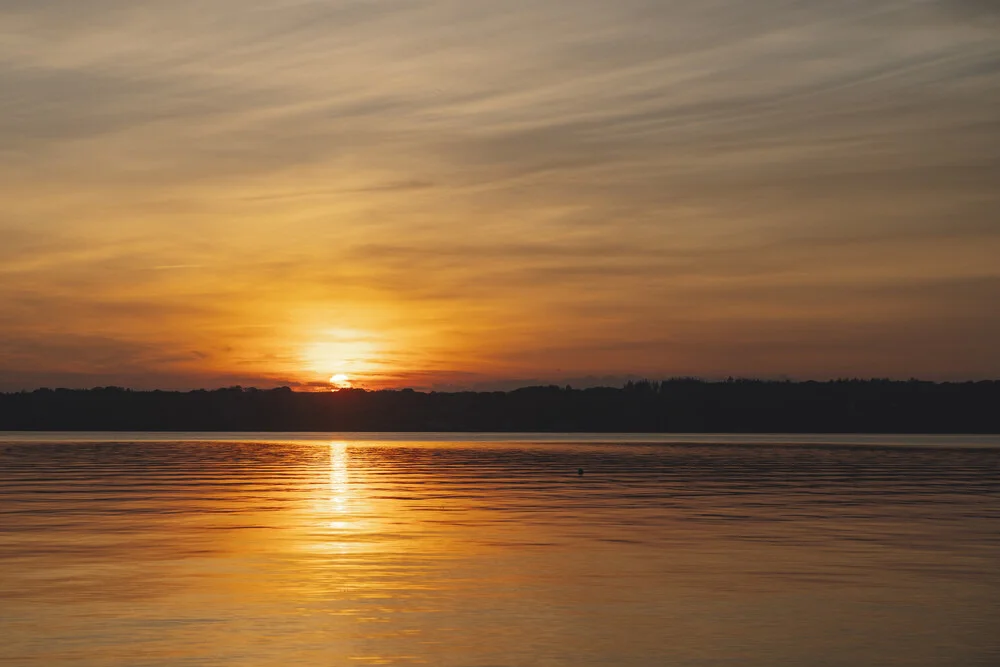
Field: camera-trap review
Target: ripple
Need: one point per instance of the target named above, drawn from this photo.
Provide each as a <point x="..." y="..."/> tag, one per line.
<point x="146" y="551"/>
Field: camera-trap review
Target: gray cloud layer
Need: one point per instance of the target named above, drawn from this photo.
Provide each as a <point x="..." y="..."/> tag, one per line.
<point x="819" y="176"/>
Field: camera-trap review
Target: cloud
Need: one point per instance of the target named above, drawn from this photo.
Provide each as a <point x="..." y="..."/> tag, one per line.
<point x="475" y="180"/>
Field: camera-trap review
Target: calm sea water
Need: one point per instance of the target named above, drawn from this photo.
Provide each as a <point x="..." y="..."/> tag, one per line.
<point x="247" y="550"/>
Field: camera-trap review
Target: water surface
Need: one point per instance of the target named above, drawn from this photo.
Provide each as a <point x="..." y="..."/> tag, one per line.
<point x="194" y="549"/>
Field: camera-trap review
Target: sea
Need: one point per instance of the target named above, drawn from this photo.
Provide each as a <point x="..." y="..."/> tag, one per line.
<point x="253" y="550"/>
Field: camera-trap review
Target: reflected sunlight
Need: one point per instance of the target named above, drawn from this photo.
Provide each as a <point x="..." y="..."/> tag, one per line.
<point x="339" y="488"/>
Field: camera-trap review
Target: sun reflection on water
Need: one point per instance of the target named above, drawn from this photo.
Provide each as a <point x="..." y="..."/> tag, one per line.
<point x="339" y="500"/>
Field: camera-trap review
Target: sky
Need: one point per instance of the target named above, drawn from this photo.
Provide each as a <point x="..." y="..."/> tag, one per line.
<point x="470" y="193"/>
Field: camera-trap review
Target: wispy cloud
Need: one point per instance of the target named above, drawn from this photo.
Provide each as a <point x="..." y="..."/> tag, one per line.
<point x="502" y="184"/>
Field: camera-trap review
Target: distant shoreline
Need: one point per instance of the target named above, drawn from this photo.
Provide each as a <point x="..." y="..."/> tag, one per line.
<point x="437" y="439"/>
<point x="668" y="407"/>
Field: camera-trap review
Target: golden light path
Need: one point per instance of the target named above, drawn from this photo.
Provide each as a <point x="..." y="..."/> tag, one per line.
<point x="339" y="488"/>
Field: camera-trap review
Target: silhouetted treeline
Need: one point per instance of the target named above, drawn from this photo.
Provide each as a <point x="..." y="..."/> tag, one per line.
<point x="684" y="406"/>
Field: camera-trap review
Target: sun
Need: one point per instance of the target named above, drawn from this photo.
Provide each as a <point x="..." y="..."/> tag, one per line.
<point x="345" y="355"/>
<point x="341" y="381"/>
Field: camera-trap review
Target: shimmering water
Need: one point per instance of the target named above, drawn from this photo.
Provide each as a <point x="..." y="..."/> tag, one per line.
<point x="255" y="550"/>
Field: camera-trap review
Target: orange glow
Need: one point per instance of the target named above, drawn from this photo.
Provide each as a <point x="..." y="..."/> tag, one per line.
<point x="500" y="231"/>
<point x="342" y="357"/>
<point x="341" y="381"/>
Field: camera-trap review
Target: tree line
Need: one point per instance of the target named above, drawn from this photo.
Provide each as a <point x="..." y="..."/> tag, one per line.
<point x="676" y="405"/>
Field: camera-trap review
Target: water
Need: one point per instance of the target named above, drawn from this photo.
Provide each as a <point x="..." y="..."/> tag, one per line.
<point x="140" y="550"/>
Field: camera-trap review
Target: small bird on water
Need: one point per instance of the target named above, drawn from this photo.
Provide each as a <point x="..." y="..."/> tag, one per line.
<point x="579" y="471"/>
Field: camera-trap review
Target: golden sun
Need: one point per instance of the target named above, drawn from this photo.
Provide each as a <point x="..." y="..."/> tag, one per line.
<point x="341" y="381"/>
<point x="346" y="356"/>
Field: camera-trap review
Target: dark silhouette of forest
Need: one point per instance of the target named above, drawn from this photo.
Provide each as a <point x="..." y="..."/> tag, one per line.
<point x="678" y="405"/>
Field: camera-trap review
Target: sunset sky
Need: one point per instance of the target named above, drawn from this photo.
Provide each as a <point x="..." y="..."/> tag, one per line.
<point x="472" y="193"/>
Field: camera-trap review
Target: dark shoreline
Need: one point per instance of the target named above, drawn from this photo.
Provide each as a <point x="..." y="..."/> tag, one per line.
<point x="672" y="406"/>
